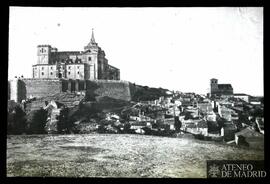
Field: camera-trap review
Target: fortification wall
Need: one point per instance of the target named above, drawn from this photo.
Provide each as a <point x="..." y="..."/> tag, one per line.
<point x="17" y="90"/>
<point x="132" y="88"/>
<point x="110" y="88"/>
<point x="95" y="89"/>
<point x="42" y="87"/>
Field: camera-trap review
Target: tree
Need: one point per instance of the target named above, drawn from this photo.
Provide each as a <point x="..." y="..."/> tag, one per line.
<point x="177" y="124"/>
<point x="127" y="128"/>
<point x="262" y="100"/>
<point x="257" y="112"/>
<point x="17" y="121"/>
<point x="38" y="122"/>
<point x="101" y="129"/>
<point x="147" y="130"/>
<point x="63" y="121"/>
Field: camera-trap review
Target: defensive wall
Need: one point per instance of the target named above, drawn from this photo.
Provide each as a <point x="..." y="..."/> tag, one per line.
<point x="20" y="89"/>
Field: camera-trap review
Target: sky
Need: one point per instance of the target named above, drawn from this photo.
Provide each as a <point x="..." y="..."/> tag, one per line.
<point x="174" y="48"/>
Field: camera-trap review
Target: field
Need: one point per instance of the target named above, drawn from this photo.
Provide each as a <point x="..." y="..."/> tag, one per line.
<point x="116" y="155"/>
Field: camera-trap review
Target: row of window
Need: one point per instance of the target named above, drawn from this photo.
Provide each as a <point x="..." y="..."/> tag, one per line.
<point x="42" y="50"/>
<point x="42" y="68"/>
<point x="77" y="73"/>
<point x="69" y="67"/>
<point x="42" y="73"/>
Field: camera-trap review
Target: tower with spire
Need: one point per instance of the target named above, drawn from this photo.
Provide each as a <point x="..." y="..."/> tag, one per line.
<point x="91" y="54"/>
<point x="92" y="37"/>
<point x="92" y="43"/>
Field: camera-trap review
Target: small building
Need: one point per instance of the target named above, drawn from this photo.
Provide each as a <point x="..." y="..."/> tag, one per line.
<point x="139" y="131"/>
<point x="137" y="125"/>
<point x="170" y="122"/>
<point x="211" y="116"/>
<point x="205" y="107"/>
<point x="250" y="138"/>
<point x="228" y="131"/>
<point x="255" y="101"/>
<point x="135" y="118"/>
<point x="177" y="102"/>
<point x="242" y="96"/>
<point x="195" y="126"/>
<point x="174" y="111"/>
<point x="227" y="113"/>
<point x="202" y="127"/>
<point x="191" y="128"/>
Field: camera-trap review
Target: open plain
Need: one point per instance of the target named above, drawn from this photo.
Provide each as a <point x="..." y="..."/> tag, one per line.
<point x="116" y="155"/>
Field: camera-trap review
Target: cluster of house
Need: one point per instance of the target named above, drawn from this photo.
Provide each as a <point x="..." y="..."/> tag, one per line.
<point x="219" y="118"/>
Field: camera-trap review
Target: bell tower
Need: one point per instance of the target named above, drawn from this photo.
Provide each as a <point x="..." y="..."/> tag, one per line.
<point x="91" y="52"/>
<point x="213" y="86"/>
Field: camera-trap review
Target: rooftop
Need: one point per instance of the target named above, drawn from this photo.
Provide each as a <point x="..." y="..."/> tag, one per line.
<point x="240" y="94"/>
<point x="224" y="86"/>
<point x="248" y="132"/>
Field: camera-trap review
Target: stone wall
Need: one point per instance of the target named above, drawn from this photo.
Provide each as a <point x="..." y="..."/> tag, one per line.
<point x="8" y="90"/>
<point x="95" y="89"/>
<point x="133" y="88"/>
<point x="110" y="88"/>
<point x="42" y="87"/>
<point x="17" y="90"/>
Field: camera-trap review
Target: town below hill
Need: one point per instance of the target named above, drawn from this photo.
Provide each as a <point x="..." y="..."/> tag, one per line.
<point x="152" y="111"/>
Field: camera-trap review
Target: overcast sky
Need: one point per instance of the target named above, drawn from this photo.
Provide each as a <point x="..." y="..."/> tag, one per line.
<point x="174" y="48"/>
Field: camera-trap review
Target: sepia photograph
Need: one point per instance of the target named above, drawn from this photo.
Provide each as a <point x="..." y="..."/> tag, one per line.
<point x="146" y="92"/>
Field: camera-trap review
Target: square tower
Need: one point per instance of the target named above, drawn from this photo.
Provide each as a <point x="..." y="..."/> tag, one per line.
<point x="43" y="53"/>
<point x="213" y="86"/>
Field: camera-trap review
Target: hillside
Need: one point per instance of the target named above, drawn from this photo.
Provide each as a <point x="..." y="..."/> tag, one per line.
<point x="145" y="93"/>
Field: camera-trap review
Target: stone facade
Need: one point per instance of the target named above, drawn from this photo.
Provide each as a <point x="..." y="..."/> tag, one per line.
<point x="90" y="64"/>
<point x="220" y="89"/>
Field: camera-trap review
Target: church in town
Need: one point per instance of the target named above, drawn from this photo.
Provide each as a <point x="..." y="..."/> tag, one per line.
<point x="90" y="64"/>
<point x="220" y="89"/>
